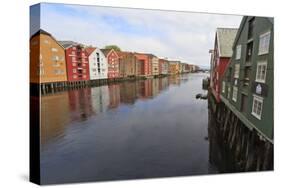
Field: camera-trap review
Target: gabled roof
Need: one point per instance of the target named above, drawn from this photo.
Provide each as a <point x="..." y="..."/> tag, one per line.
<point x="105" y="51"/>
<point x="225" y="38"/>
<point x="41" y="31"/>
<point x="90" y="50"/>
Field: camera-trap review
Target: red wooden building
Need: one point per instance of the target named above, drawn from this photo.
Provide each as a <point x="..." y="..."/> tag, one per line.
<point x="220" y="57"/>
<point x="113" y="63"/>
<point x="145" y="64"/>
<point x="77" y="63"/>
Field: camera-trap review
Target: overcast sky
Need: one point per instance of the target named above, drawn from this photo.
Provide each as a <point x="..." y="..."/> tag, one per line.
<point x="177" y="35"/>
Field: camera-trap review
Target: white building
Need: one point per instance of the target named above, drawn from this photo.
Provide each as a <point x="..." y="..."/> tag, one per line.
<point x="98" y="66"/>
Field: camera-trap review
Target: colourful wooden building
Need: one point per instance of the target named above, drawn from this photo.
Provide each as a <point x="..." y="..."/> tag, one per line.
<point x="221" y="54"/>
<point x="163" y="66"/>
<point x="145" y="65"/>
<point x="127" y="64"/>
<point x="247" y="85"/>
<point x="98" y="67"/>
<point x="47" y="59"/>
<point x="76" y="62"/>
<point x="112" y="63"/>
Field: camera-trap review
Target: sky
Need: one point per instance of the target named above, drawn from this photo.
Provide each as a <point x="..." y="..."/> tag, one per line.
<point x="184" y="36"/>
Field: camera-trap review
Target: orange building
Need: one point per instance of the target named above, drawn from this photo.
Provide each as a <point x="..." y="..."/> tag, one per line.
<point x="174" y="67"/>
<point x="47" y="59"/>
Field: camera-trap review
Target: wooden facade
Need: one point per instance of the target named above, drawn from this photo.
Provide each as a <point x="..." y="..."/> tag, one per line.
<point x="127" y="64"/>
<point x="221" y="55"/>
<point x="47" y="59"/>
<point x="112" y="62"/>
<point x="77" y="62"/>
<point x="247" y="86"/>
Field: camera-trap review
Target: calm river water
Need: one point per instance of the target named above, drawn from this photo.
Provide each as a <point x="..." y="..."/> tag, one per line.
<point x="138" y="129"/>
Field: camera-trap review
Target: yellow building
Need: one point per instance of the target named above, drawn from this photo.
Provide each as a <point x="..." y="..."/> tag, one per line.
<point x="47" y="59"/>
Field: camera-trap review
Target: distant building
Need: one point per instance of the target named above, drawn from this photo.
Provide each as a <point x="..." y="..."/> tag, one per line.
<point x="76" y="61"/>
<point x="112" y="59"/>
<point x="47" y="59"/>
<point x="155" y="64"/>
<point x="163" y="66"/>
<point x="127" y="64"/>
<point x="174" y="67"/>
<point x="145" y="65"/>
<point x="221" y="54"/>
<point x="98" y="67"/>
<point x="247" y="86"/>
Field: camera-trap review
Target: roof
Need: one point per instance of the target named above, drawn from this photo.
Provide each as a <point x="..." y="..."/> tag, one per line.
<point x="67" y="43"/>
<point x="90" y="50"/>
<point x="225" y="39"/>
<point x="41" y="31"/>
<point x="105" y="51"/>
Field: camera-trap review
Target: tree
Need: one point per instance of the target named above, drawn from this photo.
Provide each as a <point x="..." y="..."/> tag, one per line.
<point x="114" y="47"/>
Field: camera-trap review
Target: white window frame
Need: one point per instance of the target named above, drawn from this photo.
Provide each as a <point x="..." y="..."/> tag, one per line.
<point x="258" y="79"/>
<point x="228" y="92"/>
<point x="223" y="86"/>
<point x="265" y="50"/>
<point x="260" y="100"/>
<point x="234" y="93"/>
<point x="238" y="52"/>
<point x="236" y="70"/>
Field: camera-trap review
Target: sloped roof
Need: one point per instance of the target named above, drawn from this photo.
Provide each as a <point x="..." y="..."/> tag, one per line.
<point x="105" y="51"/>
<point x="225" y="38"/>
<point x="90" y="50"/>
<point x="41" y="31"/>
<point x="67" y="43"/>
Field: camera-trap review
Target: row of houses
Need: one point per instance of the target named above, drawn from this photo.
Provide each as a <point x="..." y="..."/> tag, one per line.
<point x="242" y="72"/>
<point x="53" y="61"/>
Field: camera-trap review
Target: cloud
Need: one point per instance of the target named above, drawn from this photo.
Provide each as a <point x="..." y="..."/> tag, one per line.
<point x="177" y="35"/>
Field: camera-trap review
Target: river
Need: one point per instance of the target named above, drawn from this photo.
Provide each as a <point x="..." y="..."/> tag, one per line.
<point x="129" y="130"/>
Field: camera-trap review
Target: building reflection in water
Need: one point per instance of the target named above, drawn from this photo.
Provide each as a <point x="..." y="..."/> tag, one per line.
<point x="114" y="95"/>
<point x="100" y="99"/>
<point x="54" y="115"/>
<point x="80" y="104"/>
<point x="128" y="92"/>
<point x="58" y="109"/>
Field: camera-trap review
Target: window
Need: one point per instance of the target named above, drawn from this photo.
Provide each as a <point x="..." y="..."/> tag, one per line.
<point x="261" y="72"/>
<point x="236" y="70"/>
<point x="54" y="49"/>
<point x="249" y="51"/>
<point x="46" y="41"/>
<point x="257" y="106"/>
<point x="234" y="93"/>
<point x="228" y="92"/>
<point x="223" y="86"/>
<point x="73" y="48"/>
<point x="73" y="64"/>
<point x="55" y="58"/>
<point x="73" y="59"/>
<point x="238" y="52"/>
<point x="74" y="70"/>
<point x="264" y="43"/>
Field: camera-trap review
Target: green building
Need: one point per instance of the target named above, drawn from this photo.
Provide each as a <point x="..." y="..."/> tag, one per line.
<point x="247" y="85"/>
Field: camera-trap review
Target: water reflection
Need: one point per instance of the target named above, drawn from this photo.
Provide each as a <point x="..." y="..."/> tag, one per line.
<point x="155" y="126"/>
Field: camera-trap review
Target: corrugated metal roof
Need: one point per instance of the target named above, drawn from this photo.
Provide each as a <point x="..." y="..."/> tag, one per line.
<point x="225" y="38"/>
